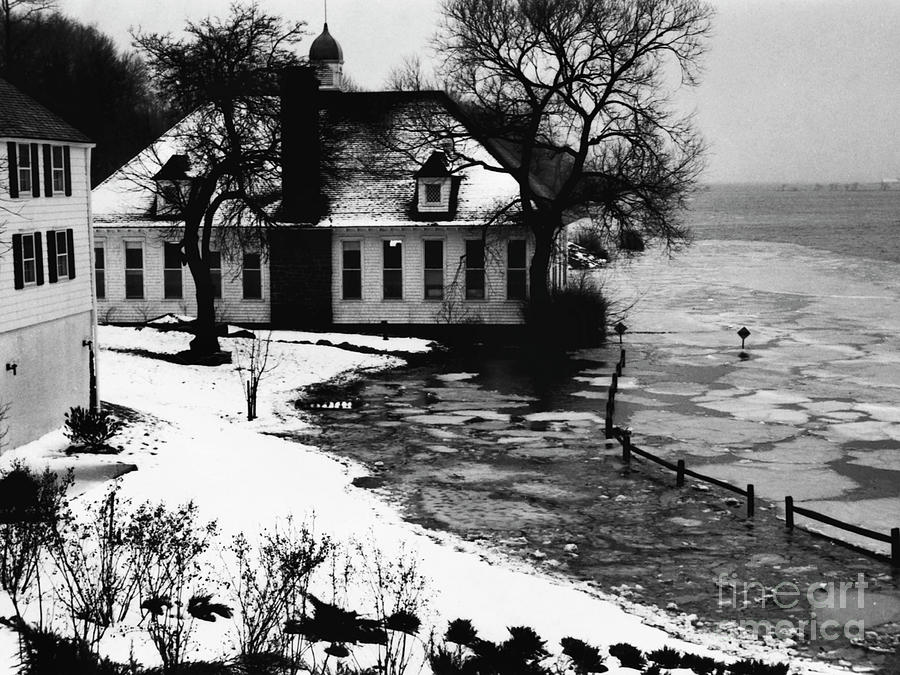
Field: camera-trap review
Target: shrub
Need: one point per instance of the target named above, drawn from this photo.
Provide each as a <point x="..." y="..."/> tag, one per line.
<point x="665" y="657"/>
<point x="31" y="506"/>
<point x="628" y="655"/>
<point x="754" y="667"/>
<point x="572" y="317"/>
<point x="91" y="428"/>
<point x="45" y="653"/>
<point x="631" y="240"/>
<point x="702" y="665"/>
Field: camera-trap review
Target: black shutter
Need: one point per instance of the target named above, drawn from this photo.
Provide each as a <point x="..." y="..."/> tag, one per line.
<point x="39" y="260"/>
<point x="35" y="171"/>
<point x="19" y="280"/>
<point x="51" y="255"/>
<point x="13" y="160"/>
<point x="70" y="241"/>
<point x="67" y="168"/>
<point x="48" y="171"/>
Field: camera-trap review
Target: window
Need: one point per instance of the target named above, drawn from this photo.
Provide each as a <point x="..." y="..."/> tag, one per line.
<point x="393" y="269"/>
<point x="252" y="276"/>
<point x="432" y="193"/>
<point x="215" y="273"/>
<point x="62" y="254"/>
<point x="134" y="270"/>
<point x="172" y="271"/>
<point x="515" y="269"/>
<point x="474" y="269"/>
<point x="434" y="269"/>
<point x="351" y="266"/>
<point x="28" y="263"/>
<point x="29" y="260"/>
<point x="58" y="169"/>
<point x="100" y="271"/>
<point x="25" y="166"/>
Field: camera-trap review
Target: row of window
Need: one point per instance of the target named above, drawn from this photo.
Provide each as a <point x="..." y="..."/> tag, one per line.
<point x="25" y="161"/>
<point x="433" y="269"/>
<point x="173" y="276"/>
<point x="28" y="257"/>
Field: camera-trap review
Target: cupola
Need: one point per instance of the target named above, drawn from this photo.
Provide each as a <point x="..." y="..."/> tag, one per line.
<point x="327" y="57"/>
<point x="173" y="183"/>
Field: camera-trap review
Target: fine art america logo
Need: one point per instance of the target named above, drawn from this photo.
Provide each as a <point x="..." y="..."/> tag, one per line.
<point x="835" y="607"/>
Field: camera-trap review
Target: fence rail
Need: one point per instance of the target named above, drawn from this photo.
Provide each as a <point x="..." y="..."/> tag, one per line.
<point x="629" y="449"/>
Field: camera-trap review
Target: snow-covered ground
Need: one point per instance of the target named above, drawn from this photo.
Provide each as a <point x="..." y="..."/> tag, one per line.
<point x="195" y="444"/>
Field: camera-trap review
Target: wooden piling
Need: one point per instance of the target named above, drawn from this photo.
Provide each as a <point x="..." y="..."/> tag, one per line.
<point x="622" y="358"/>
<point x="895" y="547"/>
<point x="789" y="512"/>
<point x="751" y="498"/>
<point x="614" y="384"/>
<point x="679" y="480"/>
<point x="626" y="447"/>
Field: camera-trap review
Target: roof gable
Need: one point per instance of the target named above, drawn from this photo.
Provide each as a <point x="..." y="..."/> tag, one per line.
<point x="23" y="117"/>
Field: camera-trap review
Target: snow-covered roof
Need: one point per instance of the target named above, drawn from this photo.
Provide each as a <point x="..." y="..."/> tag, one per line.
<point x="365" y="179"/>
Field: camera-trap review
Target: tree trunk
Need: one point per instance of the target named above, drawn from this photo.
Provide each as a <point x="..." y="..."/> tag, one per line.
<point x="205" y="341"/>
<point x="539" y="274"/>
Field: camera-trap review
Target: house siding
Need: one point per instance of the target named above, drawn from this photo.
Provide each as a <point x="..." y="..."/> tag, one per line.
<point x="47" y="330"/>
<point x="413" y="308"/>
<point x="232" y="307"/>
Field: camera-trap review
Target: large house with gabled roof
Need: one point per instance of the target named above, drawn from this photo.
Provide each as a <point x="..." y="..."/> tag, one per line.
<point x="366" y="233"/>
<point x="47" y="319"/>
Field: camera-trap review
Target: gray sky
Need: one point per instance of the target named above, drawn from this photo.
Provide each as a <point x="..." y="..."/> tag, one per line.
<point x="794" y="90"/>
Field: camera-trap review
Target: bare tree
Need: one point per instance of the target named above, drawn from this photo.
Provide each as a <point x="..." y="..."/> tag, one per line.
<point x="574" y="99"/>
<point x="253" y="364"/>
<point x="226" y="72"/>
<point x="17" y="10"/>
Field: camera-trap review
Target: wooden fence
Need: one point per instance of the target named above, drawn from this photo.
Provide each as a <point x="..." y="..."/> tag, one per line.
<point x="628" y="449"/>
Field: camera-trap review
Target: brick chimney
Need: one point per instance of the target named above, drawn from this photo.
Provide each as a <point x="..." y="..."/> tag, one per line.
<point x="300" y="149"/>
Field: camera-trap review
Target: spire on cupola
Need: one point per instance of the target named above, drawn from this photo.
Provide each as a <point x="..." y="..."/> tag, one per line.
<point x="327" y="58"/>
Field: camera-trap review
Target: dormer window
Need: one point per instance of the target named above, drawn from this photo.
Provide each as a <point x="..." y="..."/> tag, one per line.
<point x="436" y="188"/>
<point x="172" y="186"/>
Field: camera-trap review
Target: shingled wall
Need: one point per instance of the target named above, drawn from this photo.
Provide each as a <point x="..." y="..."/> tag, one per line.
<point x="300" y="277"/>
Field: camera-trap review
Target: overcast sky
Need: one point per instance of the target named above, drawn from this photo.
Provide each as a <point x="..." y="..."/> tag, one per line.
<point x="794" y="90"/>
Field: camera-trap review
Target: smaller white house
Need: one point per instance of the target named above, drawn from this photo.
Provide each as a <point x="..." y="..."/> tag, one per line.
<point x="47" y="319"/>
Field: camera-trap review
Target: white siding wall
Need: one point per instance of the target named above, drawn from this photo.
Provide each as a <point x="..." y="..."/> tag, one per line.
<point x="115" y="307"/>
<point x="26" y="214"/>
<point x="414" y="308"/>
<point x="42" y="328"/>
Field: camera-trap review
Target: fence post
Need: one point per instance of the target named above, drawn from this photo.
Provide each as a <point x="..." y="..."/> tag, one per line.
<point x="626" y="447"/>
<point x="384" y="329"/>
<point x="679" y="481"/>
<point x="608" y="428"/>
<point x="619" y="368"/>
<point x="789" y="512"/>
<point x="622" y="358"/>
<point x="895" y="548"/>
<point x="751" y="498"/>
<point x="614" y="385"/>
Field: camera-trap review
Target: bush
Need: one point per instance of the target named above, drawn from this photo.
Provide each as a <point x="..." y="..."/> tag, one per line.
<point x="629" y="656"/>
<point x="573" y="317"/>
<point x="91" y="428"/>
<point x="631" y="240"/>
<point x="754" y="667"/>
<point x="45" y="653"/>
<point x="665" y="657"/>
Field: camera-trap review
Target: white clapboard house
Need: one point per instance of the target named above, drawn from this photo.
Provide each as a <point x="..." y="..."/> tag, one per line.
<point x="354" y="247"/>
<point x="47" y="318"/>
